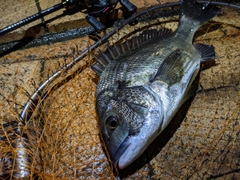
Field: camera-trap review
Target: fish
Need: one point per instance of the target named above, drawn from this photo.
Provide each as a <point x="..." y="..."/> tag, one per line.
<point x="144" y="81"/>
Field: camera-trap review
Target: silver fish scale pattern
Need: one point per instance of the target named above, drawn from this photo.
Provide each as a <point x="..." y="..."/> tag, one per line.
<point x="146" y="38"/>
<point x="136" y="95"/>
<point x="135" y="122"/>
<point x="134" y="68"/>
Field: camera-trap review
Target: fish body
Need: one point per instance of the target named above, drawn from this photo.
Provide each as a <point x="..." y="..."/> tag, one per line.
<point x="144" y="81"/>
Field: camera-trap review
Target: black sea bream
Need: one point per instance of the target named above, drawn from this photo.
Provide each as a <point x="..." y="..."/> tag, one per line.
<point x="145" y="80"/>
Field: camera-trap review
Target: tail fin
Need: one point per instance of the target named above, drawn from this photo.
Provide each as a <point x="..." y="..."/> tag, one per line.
<point x="193" y="16"/>
<point x="198" y="12"/>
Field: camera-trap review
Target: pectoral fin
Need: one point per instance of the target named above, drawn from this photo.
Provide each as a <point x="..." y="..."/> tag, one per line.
<point x="171" y="70"/>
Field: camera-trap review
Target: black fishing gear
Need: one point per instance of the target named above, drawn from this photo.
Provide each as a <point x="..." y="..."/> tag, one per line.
<point x="94" y="9"/>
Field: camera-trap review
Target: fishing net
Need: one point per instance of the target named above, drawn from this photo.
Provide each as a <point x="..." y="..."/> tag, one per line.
<point x="61" y="139"/>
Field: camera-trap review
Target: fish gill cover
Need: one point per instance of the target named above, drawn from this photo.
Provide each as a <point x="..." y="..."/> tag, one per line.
<point x="63" y="138"/>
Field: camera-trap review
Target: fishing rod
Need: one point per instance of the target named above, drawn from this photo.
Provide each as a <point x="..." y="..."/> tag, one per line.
<point x="98" y="16"/>
<point x="21" y="166"/>
<point x="94" y="9"/>
<point x="70" y="6"/>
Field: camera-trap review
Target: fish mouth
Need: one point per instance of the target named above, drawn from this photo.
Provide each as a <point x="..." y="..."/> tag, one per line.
<point x="120" y="151"/>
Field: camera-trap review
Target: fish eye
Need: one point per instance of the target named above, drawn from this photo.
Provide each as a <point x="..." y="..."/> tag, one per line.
<point x="112" y="122"/>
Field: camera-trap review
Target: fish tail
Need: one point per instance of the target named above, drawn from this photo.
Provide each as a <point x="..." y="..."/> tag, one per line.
<point x="200" y="13"/>
<point x="194" y="15"/>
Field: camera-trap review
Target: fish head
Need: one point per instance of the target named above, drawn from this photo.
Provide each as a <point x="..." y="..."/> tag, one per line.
<point x="129" y="121"/>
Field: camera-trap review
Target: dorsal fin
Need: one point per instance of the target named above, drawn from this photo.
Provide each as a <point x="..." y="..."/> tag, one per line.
<point x="114" y="52"/>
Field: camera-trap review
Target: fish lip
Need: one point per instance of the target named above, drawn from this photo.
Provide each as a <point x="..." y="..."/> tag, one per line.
<point x="121" y="149"/>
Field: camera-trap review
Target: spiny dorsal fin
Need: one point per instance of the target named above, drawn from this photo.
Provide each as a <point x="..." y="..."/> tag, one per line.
<point x="114" y="52"/>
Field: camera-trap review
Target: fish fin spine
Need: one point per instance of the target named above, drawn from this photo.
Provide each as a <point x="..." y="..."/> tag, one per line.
<point x="207" y="52"/>
<point x="115" y="51"/>
<point x="97" y="68"/>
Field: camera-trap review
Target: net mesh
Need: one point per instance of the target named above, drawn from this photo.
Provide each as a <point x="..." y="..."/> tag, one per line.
<point x="62" y="137"/>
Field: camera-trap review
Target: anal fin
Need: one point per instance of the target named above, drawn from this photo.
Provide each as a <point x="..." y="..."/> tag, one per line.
<point x="207" y="52"/>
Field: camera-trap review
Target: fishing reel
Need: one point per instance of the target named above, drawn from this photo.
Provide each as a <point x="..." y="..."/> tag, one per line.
<point x="94" y="8"/>
<point x="100" y="9"/>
